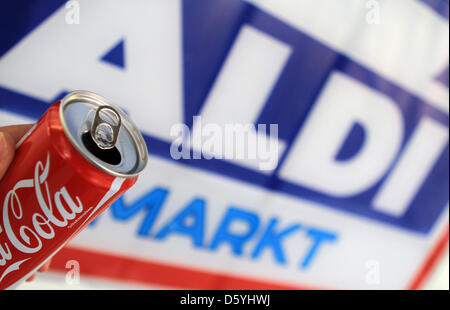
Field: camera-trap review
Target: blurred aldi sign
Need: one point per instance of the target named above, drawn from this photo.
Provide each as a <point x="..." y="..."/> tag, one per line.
<point x="358" y="196"/>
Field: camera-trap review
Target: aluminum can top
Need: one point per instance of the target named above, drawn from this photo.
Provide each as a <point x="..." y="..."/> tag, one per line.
<point x="103" y="134"/>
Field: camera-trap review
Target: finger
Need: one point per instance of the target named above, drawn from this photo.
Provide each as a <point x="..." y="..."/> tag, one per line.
<point x="16" y="131"/>
<point x="7" y="149"/>
<point x="9" y="136"/>
<point x="45" y="267"/>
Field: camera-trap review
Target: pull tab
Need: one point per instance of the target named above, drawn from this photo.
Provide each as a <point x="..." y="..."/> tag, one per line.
<point x="104" y="131"/>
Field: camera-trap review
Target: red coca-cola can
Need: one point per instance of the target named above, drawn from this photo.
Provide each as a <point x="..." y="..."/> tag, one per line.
<point x="77" y="160"/>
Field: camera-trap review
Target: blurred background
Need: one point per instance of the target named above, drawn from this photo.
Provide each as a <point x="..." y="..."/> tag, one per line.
<point x="356" y="193"/>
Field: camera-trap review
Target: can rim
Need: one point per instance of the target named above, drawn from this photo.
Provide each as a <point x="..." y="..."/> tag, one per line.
<point x="93" y="98"/>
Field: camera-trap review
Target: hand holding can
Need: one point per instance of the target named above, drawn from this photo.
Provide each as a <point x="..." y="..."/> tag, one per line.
<point x="72" y="164"/>
<point x="9" y="136"/>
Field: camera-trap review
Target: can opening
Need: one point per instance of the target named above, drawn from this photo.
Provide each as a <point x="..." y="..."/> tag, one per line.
<point x="103" y="134"/>
<point x="111" y="155"/>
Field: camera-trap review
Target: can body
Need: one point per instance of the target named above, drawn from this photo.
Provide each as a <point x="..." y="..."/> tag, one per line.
<point x="49" y="194"/>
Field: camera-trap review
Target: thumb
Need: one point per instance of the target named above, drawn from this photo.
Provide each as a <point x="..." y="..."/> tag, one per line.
<point x="7" y="149"/>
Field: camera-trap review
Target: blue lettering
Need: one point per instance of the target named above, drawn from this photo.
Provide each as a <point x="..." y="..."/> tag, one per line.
<point x="318" y="236"/>
<point x="236" y="240"/>
<point x="151" y="201"/>
<point x="271" y="239"/>
<point x="194" y="211"/>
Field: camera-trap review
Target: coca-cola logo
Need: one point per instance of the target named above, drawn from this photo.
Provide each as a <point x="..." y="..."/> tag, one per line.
<point x="56" y="209"/>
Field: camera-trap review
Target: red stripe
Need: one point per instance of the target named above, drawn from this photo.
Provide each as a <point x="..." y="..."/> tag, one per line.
<point x="430" y="262"/>
<point x="147" y="272"/>
<point x="124" y="268"/>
